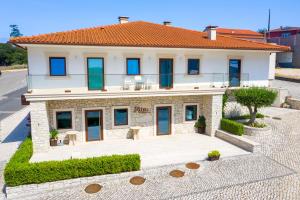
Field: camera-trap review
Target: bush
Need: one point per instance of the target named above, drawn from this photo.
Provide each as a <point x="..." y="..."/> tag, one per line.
<point x="254" y="98"/>
<point x="20" y="172"/>
<point x="200" y="122"/>
<point x="258" y="115"/>
<point x="232" y="127"/>
<point x="214" y="153"/>
<point x="54" y="134"/>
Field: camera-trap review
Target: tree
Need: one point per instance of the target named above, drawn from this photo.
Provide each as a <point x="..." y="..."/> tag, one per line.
<point x="14" y="31"/>
<point x="12" y="55"/>
<point x="262" y="30"/>
<point x="254" y="98"/>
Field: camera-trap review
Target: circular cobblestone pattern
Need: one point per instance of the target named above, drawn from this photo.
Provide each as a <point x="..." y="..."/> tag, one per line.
<point x="93" y="188"/>
<point x="192" y="165"/>
<point x="176" y="173"/>
<point x="137" y="180"/>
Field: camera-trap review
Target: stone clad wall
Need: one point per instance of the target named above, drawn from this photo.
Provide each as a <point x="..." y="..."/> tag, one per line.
<point x="145" y="120"/>
<point x="42" y="113"/>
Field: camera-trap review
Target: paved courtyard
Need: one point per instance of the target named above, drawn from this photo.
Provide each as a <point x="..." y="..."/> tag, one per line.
<point x="154" y="151"/>
<point x="274" y="174"/>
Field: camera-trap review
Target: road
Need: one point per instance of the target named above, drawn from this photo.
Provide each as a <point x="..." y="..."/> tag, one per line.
<point x="12" y="86"/>
<point x="293" y="88"/>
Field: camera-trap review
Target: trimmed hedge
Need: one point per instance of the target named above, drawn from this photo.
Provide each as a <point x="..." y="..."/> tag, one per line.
<point x="232" y="127"/>
<point x="247" y="116"/>
<point x="20" y="172"/>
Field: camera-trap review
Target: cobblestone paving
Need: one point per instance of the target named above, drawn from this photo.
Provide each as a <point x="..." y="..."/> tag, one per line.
<point x="271" y="175"/>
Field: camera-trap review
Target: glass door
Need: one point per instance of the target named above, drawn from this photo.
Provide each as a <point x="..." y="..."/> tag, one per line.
<point x="165" y="73"/>
<point x="95" y="69"/>
<point x="234" y="72"/>
<point x="93" y="125"/>
<point x="163" y="120"/>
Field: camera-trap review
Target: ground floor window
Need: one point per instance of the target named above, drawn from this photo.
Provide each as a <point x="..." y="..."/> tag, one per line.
<point x="64" y="120"/>
<point x="190" y="112"/>
<point x="121" y="116"/>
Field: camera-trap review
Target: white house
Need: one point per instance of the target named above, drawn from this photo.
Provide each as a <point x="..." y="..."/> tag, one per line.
<point x="104" y="81"/>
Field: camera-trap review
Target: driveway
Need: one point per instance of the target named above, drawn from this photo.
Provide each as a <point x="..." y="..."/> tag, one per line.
<point x="294" y="88"/>
<point x="12" y="86"/>
<point x="273" y="174"/>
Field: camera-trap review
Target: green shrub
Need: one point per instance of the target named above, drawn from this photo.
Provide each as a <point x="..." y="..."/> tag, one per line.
<point x="232" y="127"/>
<point x="214" y="153"/>
<point x="53" y="134"/>
<point x="20" y="172"/>
<point x="200" y="122"/>
<point x="258" y="115"/>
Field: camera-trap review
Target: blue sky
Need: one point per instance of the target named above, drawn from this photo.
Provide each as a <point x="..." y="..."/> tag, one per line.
<point x="44" y="16"/>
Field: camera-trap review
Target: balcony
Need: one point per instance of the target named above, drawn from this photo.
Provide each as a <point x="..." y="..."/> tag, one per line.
<point x="120" y="85"/>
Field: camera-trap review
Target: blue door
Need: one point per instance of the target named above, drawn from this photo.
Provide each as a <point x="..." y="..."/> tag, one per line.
<point x="93" y="123"/>
<point x="163" y="120"/>
<point x="165" y="73"/>
<point x="95" y="68"/>
<point x="234" y="72"/>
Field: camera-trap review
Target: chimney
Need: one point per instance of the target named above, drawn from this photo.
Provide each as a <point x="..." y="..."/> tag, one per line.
<point x="167" y="23"/>
<point x="123" y="19"/>
<point x="211" y="32"/>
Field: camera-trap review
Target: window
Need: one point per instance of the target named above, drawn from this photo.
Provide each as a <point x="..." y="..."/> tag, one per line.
<point x="285" y="35"/>
<point x="57" y="66"/>
<point x="133" y="66"/>
<point x="121" y="117"/>
<point x="190" y="112"/>
<point x="64" y="120"/>
<point x="193" y="66"/>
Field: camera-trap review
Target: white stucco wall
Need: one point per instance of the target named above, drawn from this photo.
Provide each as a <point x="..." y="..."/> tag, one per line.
<point x="254" y="63"/>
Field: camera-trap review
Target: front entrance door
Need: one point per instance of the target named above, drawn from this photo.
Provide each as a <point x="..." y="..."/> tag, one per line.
<point x="234" y="72"/>
<point x="163" y="120"/>
<point x="165" y="73"/>
<point x="94" y="125"/>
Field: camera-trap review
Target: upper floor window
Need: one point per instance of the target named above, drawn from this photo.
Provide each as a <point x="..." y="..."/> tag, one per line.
<point x="133" y="66"/>
<point x="57" y="66"/>
<point x="285" y="35"/>
<point x="193" y="66"/>
<point x="64" y="120"/>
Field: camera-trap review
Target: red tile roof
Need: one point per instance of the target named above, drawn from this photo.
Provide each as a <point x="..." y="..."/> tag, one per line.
<point x="144" y="34"/>
<point x="240" y="33"/>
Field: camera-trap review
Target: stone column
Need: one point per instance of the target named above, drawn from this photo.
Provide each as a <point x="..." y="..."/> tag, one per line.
<point x="212" y="110"/>
<point x="39" y="126"/>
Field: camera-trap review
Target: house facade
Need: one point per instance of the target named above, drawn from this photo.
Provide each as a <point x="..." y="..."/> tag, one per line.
<point x="288" y="36"/>
<point x="104" y="82"/>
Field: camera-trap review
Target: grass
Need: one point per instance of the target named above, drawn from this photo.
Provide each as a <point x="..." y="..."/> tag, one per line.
<point x="247" y="116"/>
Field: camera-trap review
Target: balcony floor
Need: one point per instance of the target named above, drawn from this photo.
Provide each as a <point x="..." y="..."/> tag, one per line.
<point x="154" y="151"/>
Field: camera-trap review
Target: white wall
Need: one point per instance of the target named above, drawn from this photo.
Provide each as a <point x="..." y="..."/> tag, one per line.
<point x="256" y="64"/>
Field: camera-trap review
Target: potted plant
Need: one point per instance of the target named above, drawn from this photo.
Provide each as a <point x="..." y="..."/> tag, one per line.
<point x="200" y="125"/>
<point x="53" y="137"/>
<point x="214" y="155"/>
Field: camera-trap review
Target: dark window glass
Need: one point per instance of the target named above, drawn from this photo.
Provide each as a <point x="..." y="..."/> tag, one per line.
<point x="121" y="117"/>
<point x="57" y="66"/>
<point x="193" y="66"/>
<point x="191" y="113"/>
<point x="133" y="66"/>
<point x="64" y="120"/>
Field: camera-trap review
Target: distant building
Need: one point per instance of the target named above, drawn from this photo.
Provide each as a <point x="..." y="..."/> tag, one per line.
<point x="242" y="34"/>
<point x="288" y="36"/>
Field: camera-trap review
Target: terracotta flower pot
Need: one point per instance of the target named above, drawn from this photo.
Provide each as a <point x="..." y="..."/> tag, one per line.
<point x="201" y="129"/>
<point x="53" y="142"/>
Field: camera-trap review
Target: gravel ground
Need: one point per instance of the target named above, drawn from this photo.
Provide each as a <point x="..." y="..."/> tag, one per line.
<point x="274" y="174"/>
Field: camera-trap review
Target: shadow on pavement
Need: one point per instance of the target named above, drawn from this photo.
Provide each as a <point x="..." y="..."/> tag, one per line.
<point x="19" y="133"/>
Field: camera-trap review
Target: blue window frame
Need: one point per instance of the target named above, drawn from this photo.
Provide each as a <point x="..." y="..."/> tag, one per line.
<point x="121" y="117"/>
<point x="190" y="112"/>
<point x="193" y="66"/>
<point x="57" y="66"/>
<point x="133" y="66"/>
